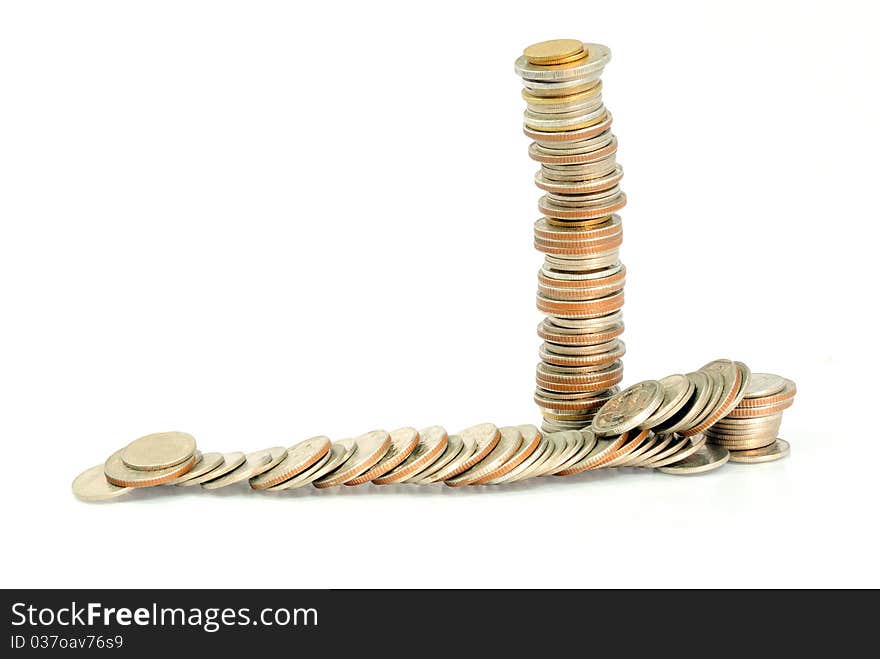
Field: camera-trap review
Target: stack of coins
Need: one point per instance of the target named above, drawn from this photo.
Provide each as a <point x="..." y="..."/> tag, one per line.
<point x="750" y="432"/>
<point x="580" y="286"/>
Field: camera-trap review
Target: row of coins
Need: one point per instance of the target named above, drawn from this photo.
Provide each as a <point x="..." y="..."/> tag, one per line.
<point x="737" y="413"/>
<point x="480" y="455"/>
<point x="750" y="431"/>
<point x="580" y="285"/>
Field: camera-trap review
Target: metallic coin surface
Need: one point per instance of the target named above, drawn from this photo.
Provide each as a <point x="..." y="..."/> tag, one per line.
<point x="547" y="52"/>
<point x="603" y="452"/>
<point x="632" y="457"/>
<point x="403" y="443"/>
<point x="525" y="468"/>
<point x="92" y="485"/>
<point x="693" y="445"/>
<point x="339" y="452"/>
<point x="488" y="467"/>
<point x="159" y="451"/>
<point x="431" y="445"/>
<point x="692" y="409"/>
<point x="231" y="461"/>
<point x="299" y="457"/>
<point x="371" y="447"/>
<point x="204" y="463"/>
<point x="252" y="462"/>
<point x="775" y="451"/>
<point x="638" y="439"/>
<point x="478" y="441"/>
<point x="764" y="384"/>
<point x="568" y="443"/>
<point x="454" y="447"/>
<point x="530" y="440"/>
<point x="121" y="475"/>
<point x="706" y="459"/>
<point x="661" y="443"/>
<point x="583" y="451"/>
<point x="628" y="409"/>
<point x="274" y="455"/>
<point x="677" y="390"/>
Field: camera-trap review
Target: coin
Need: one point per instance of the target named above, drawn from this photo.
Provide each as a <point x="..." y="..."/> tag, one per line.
<point x="525" y="468"/>
<point x="159" y="450"/>
<point x="488" y="467"/>
<point x="636" y="442"/>
<point x="633" y="456"/>
<point x="403" y="442"/>
<point x="299" y="457"/>
<point x="121" y="475"/>
<point x="252" y="462"/>
<point x="478" y="441"/>
<point x="203" y="463"/>
<point x="706" y="459"/>
<point x="431" y="445"/>
<point x="371" y="447"/>
<point x="603" y="452"/>
<point x="339" y="452"/>
<point x="92" y="485"/>
<point x="661" y="442"/>
<point x="568" y="443"/>
<point x="549" y="52"/>
<point x="530" y="439"/>
<point x="583" y="451"/>
<point x="676" y="393"/>
<point x="732" y="376"/>
<point x="274" y="455"/>
<point x="702" y="391"/>
<point x="690" y="447"/>
<point x="454" y="447"/>
<point x="628" y="409"/>
<point x="230" y="462"/>
<point x="775" y="451"/>
<point x="764" y="384"/>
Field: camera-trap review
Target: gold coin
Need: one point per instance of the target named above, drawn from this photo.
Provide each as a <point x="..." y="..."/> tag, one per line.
<point x="549" y="52"/>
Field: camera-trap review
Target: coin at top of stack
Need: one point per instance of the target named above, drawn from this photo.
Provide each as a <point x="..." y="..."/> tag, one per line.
<point x="580" y="285"/>
<point x="750" y="431"/>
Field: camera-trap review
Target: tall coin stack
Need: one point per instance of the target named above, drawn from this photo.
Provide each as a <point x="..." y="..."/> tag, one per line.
<point x="580" y="286"/>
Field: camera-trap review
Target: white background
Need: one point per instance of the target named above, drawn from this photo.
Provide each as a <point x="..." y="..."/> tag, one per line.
<point x="258" y="222"/>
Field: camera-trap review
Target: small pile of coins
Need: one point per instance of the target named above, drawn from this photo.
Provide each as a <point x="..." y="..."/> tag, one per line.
<point x="687" y="410"/>
<point x="750" y="431"/>
<point x="580" y="285"/>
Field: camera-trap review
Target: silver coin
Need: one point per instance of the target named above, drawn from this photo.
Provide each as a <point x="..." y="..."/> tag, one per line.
<point x="677" y="390"/>
<point x="486" y="469"/>
<point x="568" y="443"/>
<point x="299" y="457"/>
<point x="159" y="450"/>
<point x="339" y="452"/>
<point x="230" y="461"/>
<point x="661" y="442"/>
<point x="403" y="442"/>
<point x="92" y="485"/>
<point x="601" y="453"/>
<point x="677" y="444"/>
<point x="275" y="454"/>
<point x="716" y="390"/>
<point x="706" y="459"/>
<point x="588" y="68"/>
<point x="629" y="408"/>
<point x="371" y="447"/>
<point x="205" y="462"/>
<point x="431" y="446"/>
<point x="121" y="475"/>
<point x="454" y="447"/>
<point x="775" y="451"/>
<point x="524" y="468"/>
<point x="637" y="442"/>
<point x="252" y="462"/>
<point x="531" y="440"/>
<point x="479" y="441"/>
<point x="629" y="460"/>
<point x="702" y="391"/>
<point x="589" y="444"/>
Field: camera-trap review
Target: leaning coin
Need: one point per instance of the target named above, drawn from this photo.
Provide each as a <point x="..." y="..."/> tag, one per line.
<point x="632" y="457"/>
<point x="702" y="391"/>
<point x="488" y="467"/>
<point x="604" y="451"/>
<point x="638" y="442"/>
<point x="431" y="445"/>
<point x="403" y="443"/>
<point x="204" y="463"/>
<point x="230" y="461"/>
<point x="159" y="451"/>
<point x="478" y="441"/>
<point x="254" y="464"/>
<point x="339" y="452"/>
<point x="531" y="439"/>
<point x="775" y="451"/>
<point x="299" y="457"/>
<point x="121" y="475"/>
<point x="569" y="443"/>
<point x="454" y="447"/>
<point x="661" y="442"/>
<point x="588" y="445"/>
<point x="677" y="390"/>
<point x="525" y="468"/>
<point x="371" y="447"/>
<point x="629" y="408"/>
<point x="708" y="458"/>
<point x="696" y="443"/>
<point x="92" y="485"/>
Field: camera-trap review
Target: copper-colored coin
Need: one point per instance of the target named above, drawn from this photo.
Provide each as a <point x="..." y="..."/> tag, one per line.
<point x="454" y="447"/>
<point x="488" y="467"/>
<point x="546" y="137"/>
<point x="732" y="377"/>
<point x="552" y="334"/>
<point x="543" y="157"/>
<point x="432" y="443"/>
<point x="581" y="308"/>
<point x="578" y="375"/>
<point x="764" y="410"/>
<point x="788" y="391"/>
<point x="549" y="208"/>
<point x="589" y="444"/>
<point x="661" y="443"/>
<point x="637" y="439"/>
<point x="583" y="360"/>
<point x="544" y="230"/>
<point x="629" y="460"/>
<point x="371" y="447"/>
<point x="604" y="451"/>
<point x="403" y="443"/>
<point x="337" y="455"/>
<point x="121" y="475"/>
